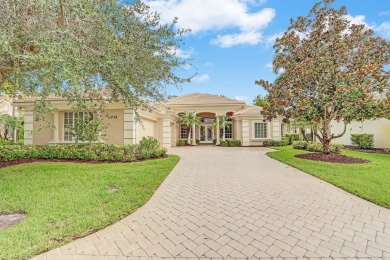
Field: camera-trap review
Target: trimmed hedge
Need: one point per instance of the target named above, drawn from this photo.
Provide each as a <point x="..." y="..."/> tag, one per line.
<point x="275" y="143"/>
<point x="7" y="142"/>
<point x="181" y="142"/>
<point x="301" y="145"/>
<point x="317" y="147"/>
<point x="291" y="138"/>
<point x="363" y="141"/>
<point x="230" y="142"/>
<point x="99" y="152"/>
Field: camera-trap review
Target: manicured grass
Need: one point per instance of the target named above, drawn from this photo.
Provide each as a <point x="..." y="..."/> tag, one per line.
<point x="370" y="181"/>
<point x="64" y="201"/>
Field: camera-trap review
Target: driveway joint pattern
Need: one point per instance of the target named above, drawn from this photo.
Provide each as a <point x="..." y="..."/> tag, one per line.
<point x="237" y="203"/>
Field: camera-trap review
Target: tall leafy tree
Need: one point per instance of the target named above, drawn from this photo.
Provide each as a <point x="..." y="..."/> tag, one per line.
<point x="68" y="48"/>
<point x="332" y="70"/>
<point x="260" y="101"/>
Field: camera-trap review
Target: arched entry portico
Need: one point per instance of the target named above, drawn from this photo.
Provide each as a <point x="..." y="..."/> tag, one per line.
<point x="206" y="131"/>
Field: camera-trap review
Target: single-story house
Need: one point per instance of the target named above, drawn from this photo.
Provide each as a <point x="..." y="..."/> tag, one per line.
<point x="161" y="122"/>
<point x="6" y="106"/>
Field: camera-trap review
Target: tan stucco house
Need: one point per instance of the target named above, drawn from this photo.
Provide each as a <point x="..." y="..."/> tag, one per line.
<point x="161" y="122"/>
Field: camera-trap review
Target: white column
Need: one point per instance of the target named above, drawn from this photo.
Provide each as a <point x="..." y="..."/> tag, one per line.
<point x="223" y="132"/>
<point x="218" y="142"/>
<point x="129" y="127"/>
<point x="166" y="133"/>
<point x="56" y="127"/>
<point x="28" y="127"/>
<point x="276" y="129"/>
<point x="193" y="135"/>
<point x="245" y="133"/>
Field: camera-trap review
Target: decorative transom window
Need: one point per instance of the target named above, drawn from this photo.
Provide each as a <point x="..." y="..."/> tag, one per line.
<point x="183" y="131"/>
<point x="71" y="120"/>
<point x="260" y="130"/>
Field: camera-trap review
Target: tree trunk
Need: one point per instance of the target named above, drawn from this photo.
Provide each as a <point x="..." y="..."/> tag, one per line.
<point x="189" y="136"/>
<point x="326" y="145"/>
<point x="303" y="133"/>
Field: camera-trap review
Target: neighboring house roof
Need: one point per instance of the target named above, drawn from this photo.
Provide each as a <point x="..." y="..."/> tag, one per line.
<point x="249" y="111"/>
<point x="101" y="93"/>
<point x="33" y="99"/>
<point x="202" y="99"/>
<point x="5" y="106"/>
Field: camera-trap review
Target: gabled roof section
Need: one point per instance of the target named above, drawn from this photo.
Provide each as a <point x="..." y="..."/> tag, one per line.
<point x="5" y="99"/>
<point x="249" y="111"/>
<point x="197" y="99"/>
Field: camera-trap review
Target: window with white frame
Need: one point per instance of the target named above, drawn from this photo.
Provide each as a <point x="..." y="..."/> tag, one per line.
<point x="71" y="120"/>
<point x="183" y="131"/>
<point x="260" y="130"/>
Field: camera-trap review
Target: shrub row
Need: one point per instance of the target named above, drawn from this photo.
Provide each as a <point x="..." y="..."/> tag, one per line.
<point x="181" y="142"/>
<point x="7" y="142"/>
<point x="317" y="147"/>
<point x="363" y="141"/>
<point x="231" y="143"/>
<point x="301" y="145"/>
<point x="148" y="148"/>
<point x="275" y="143"/>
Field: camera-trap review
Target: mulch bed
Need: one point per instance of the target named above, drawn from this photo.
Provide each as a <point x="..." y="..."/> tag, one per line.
<point x="332" y="158"/>
<point x="372" y="150"/>
<point x="31" y="160"/>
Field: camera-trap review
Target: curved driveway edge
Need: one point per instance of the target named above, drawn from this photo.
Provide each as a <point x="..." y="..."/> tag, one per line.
<point x="238" y="203"/>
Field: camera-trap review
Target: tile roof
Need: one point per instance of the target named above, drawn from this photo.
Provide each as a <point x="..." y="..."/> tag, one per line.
<point x="202" y="99"/>
<point x="248" y="111"/>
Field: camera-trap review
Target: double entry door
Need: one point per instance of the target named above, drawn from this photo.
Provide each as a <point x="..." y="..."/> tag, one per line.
<point x="206" y="133"/>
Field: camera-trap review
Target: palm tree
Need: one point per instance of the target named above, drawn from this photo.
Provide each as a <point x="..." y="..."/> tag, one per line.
<point x="189" y="119"/>
<point x="222" y="122"/>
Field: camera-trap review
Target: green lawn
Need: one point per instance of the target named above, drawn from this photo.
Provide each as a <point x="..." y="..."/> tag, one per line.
<point x="65" y="201"/>
<point x="370" y="181"/>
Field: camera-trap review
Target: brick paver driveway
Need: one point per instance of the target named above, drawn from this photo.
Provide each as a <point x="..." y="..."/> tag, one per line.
<point x="238" y="203"/>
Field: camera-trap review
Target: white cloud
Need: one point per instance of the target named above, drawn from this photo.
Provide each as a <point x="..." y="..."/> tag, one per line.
<point x="206" y="15"/>
<point x="268" y="65"/>
<point x="184" y="54"/>
<point x="270" y="40"/>
<point x="201" y="78"/>
<point x="241" y="98"/>
<point x="358" y="19"/>
<point x="229" y="40"/>
<point x="384" y="30"/>
<point x="384" y="13"/>
<point x="187" y="66"/>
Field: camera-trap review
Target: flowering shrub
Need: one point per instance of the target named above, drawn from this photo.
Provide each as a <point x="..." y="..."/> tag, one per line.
<point x="99" y="152"/>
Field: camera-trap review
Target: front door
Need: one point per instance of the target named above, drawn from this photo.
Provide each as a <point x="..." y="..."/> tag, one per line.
<point x="206" y="134"/>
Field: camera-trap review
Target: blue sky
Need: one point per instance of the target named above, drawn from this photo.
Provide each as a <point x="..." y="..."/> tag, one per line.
<point x="230" y="45"/>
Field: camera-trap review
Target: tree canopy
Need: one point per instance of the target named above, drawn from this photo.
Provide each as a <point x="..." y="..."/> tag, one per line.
<point x="260" y="101"/>
<point x="331" y="70"/>
<point x="69" y="48"/>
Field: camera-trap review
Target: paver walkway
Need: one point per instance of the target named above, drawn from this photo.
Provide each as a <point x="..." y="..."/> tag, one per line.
<point x="238" y="203"/>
